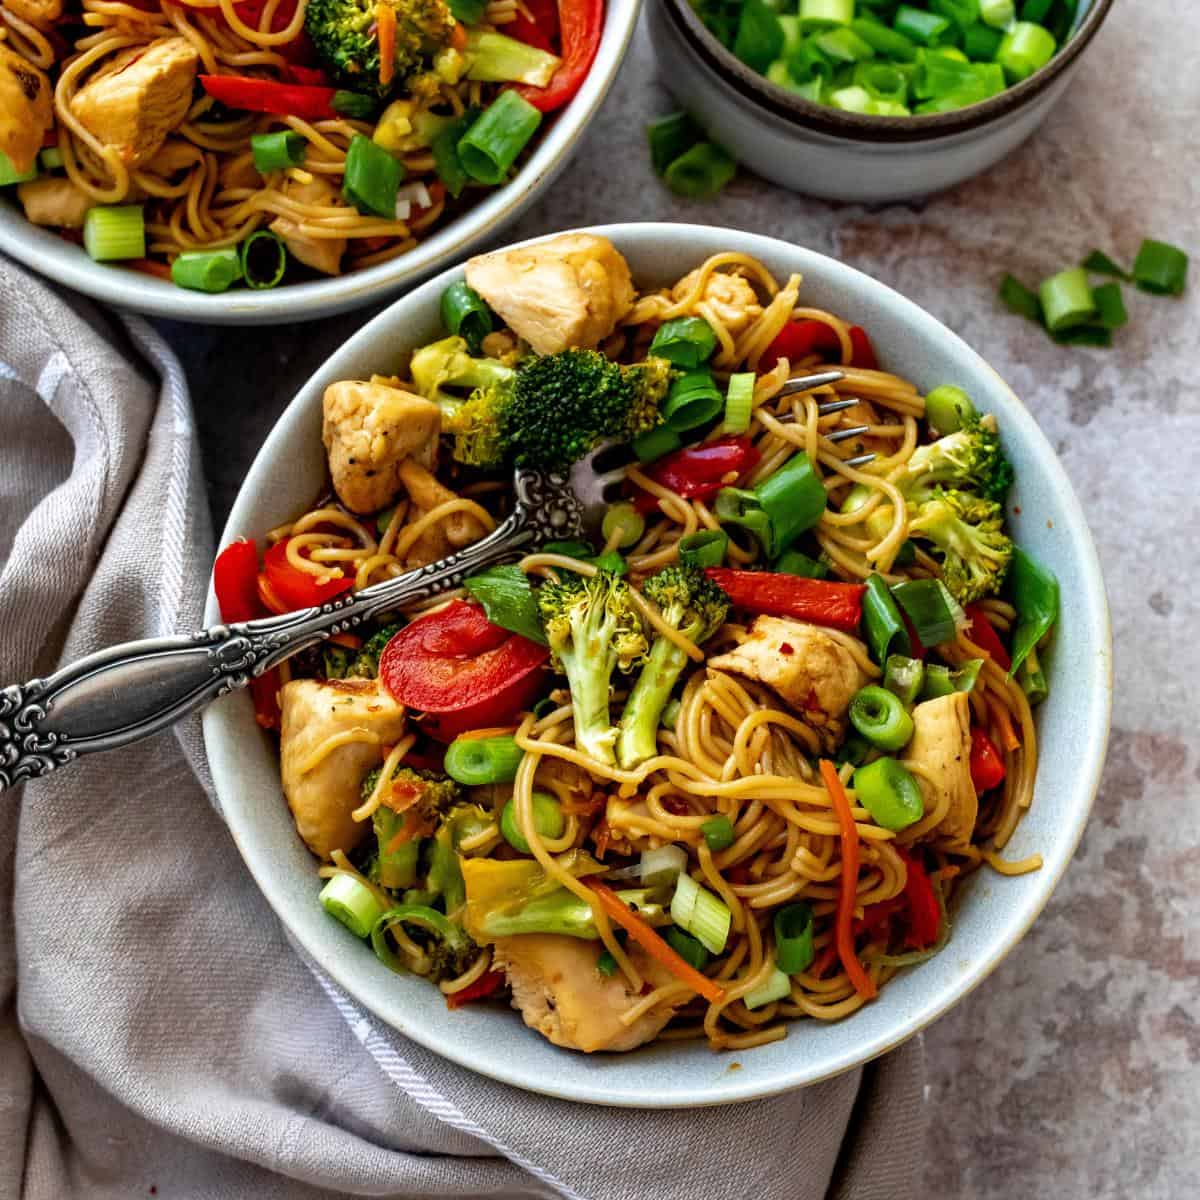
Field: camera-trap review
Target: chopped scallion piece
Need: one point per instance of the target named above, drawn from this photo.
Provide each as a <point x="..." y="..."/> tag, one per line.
<point x="903" y="677"/>
<point x="885" y="41"/>
<point x="654" y="443"/>
<point x="275" y="151"/>
<point x="1160" y="269"/>
<point x="114" y="232"/>
<point x="701" y="172"/>
<point x="207" y="270"/>
<point x="931" y="609"/>
<point x="474" y="762"/>
<point x="824" y="14"/>
<point x="1100" y="264"/>
<point x="548" y="820"/>
<point x="887" y="790"/>
<point x="490" y="147"/>
<point x="1020" y="299"/>
<point x="465" y="313"/>
<point x="880" y="716"/>
<point x="999" y="14"/>
<point x="924" y="28"/>
<point x="843" y="46"/>
<point x="759" y="39"/>
<point x="980" y="42"/>
<point x="794" y="937"/>
<point x="718" y="833"/>
<point x="352" y="903"/>
<point x="686" y="947"/>
<point x="777" y="987"/>
<point x="662" y="865"/>
<point x="446" y="160"/>
<point x="1110" y="306"/>
<point x="1026" y="48"/>
<point x="693" y="400"/>
<point x="700" y="913"/>
<point x="372" y="178"/>
<point x="264" y="259"/>
<point x="623" y="522"/>
<point x="354" y="105"/>
<point x="669" y="137"/>
<point x="739" y="402"/>
<point x="1067" y="300"/>
<point x="686" y="342"/>
<point x="704" y="548"/>
<point x="796" y="562"/>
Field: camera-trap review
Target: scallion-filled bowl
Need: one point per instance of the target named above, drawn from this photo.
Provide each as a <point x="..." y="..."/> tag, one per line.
<point x="858" y="153"/>
<point x="989" y="916"/>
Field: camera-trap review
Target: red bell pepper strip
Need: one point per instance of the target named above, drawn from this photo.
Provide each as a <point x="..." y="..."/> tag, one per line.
<point x="306" y="76"/>
<point x="838" y="605"/>
<point x="697" y="472"/>
<point x="987" y="763"/>
<point x="984" y="635"/>
<point x="486" y="985"/>
<point x="924" y="915"/>
<point x="581" y="23"/>
<point x="295" y="588"/>
<point x="540" y="28"/>
<point x="864" y="352"/>
<point x="267" y="96"/>
<point x="799" y="339"/>
<point x="461" y="670"/>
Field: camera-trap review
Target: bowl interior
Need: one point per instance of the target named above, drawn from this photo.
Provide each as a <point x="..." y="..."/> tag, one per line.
<point x="993" y="914"/>
<point x="859" y="127"/>
<point x="65" y="263"/>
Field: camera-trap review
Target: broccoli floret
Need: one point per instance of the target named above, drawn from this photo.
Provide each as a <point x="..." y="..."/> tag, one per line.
<point x="971" y="458"/>
<point x="969" y="531"/>
<point x="563" y="404"/>
<point x="344" y="33"/>
<point x="366" y="661"/>
<point x="592" y="627"/>
<point x="697" y="607"/>
<point x="445" y="877"/>
<point x="425" y="797"/>
<point x="476" y="426"/>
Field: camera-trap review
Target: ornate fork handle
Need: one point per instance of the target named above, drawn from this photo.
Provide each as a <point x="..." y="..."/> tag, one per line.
<point x="120" y="695"/>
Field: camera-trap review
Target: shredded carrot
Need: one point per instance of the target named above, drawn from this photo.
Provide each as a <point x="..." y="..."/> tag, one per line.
<point x="469" y="735"/>
<point x="385" y="25"/>
<point x="350" y="640"/>
<point x="458" y="36"/>
<point x="863" y="984"/>
<point x="1004" y="725"/>
<point x="267" y="595"/>
<point x="653" y="944"/>
<point x="147" y="266"/>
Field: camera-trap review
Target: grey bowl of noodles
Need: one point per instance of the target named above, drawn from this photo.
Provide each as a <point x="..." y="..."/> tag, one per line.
<point x="725" y="850"/>
<point x="226" y="132"/>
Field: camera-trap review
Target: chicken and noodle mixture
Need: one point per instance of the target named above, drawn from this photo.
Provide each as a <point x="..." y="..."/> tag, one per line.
<point x="225" y="142"/>
<point x="724" y="764"/>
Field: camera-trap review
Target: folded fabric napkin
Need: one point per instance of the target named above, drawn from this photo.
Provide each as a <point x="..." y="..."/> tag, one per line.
<point x="158" y="1034"/>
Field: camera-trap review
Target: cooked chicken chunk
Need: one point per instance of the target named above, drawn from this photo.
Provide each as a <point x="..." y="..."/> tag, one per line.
<point x="730" y="297"/>
<point x="54" y="200"/>
<point x="568" y="291"/>
<point x="457" y="530"/>
<point x="370" y="429"/>
<point x="322" y="254"/>
<point x="26" y="109"/>
<point x="139" y="96"/>
<point x="322" y="795"/>
<point x="42" y="13"/>
<point x="811" y="670"/>
<point x="940" y="755"/>
<point x="560" y="993"/>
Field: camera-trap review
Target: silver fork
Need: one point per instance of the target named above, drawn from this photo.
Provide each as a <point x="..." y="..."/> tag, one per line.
<point x="128" y="692"/>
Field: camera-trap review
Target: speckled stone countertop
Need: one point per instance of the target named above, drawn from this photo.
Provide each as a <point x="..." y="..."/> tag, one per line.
<point x="1074" y="1071"/>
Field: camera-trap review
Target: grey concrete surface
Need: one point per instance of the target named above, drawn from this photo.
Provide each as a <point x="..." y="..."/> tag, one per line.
<point x="1073" y="1071"/>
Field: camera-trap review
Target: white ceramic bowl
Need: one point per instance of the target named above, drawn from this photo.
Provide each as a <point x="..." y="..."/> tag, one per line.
<point x="994" y="913"/>
<point x="845" y="156"/>
<point x="59" y="260"/>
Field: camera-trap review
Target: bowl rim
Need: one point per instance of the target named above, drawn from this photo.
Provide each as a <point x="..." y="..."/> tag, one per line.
<point x="223" y="732"/>
<point x="50" y="255"/>
<point x="857" y="127"/>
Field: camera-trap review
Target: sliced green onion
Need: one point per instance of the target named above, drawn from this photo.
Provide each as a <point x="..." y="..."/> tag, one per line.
<point x="888" y="42"/>
<point x="793" y="498"/>
<point x="355" y="105"/>
<point x="372" y="178"/>
<point x="887" y="790"/>
<point x="701" y="172"/>
<point x="907" y="554"/>
<point x="851" y="99"/>
<point x="1160" y="269"/>
<point x="352" y="903"/>
<point x="794" y="937"/>
<point x="670" y="714"/>
<point x="1026" y="48"/>
<point x="1019" y="299"/>
<point x="759" y="38"/>
<point x="490" y="147"/>
<point x="692" y="400"/>
<point x="548" y="821"/>
<point x="421" y="915"/>
<point x="777" y="987"/>
<point x="654" y="443"/>
<point x="737" y="506"/>
<point x="853" y="750"/>
<point x="1035" y="596"/>
<point x="941" y="75"/>
<point x="669" y="137"/>
<point x="446" y="160"/>
<point x="945" y="681"/>
<point x="796" y="562"/>
<point x="880" y="716"/>
<point x="275" y="151"/>
<point x="686" y="947"/>
<point x="824" y="14"/>
<point x="264" y="259"/>
<point x="662" y="865"/>
<point x="207" y="270"/>
<point x="508" y="600"/>
<point x="947" y="407"/>
<point x="1100" y="264"/>
<point x="718" y="833"/>
<point x="1032" y="680"/>
<point x="704" y="548"/>
<point x="51" y="159"/>
<point x="623" y="522"/>
<point x="843" y="46"/>
<point x="1084" y="335"/>
<point x="964" y="13"/>
<point x="700" y="913"/>
<point x="1110" y="306"/>
<point x="807" y="64"/>
<point x="980" y="42"/>
<point x="1036" y="10"/>
<point x="465" y="313"/>
<point x="882" y="81"/>
<point x="114" y="232"/>
<point x="474" y="762"/>
<point x="9" y="174"/>
<point x="903" y="677"/>
<point x="739" y="402"/>
<point x="932" y="610"/>
<point x="924" y="28"/>
<point x="999" y="14"/>
<point x="1067" y="300"/>
<point x="882" y="622"/>
<point x="606" y="964"/>
<point x="687" y="342"/>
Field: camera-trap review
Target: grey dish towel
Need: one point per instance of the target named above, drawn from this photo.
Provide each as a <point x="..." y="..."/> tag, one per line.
<point x="157" y="1031"/>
